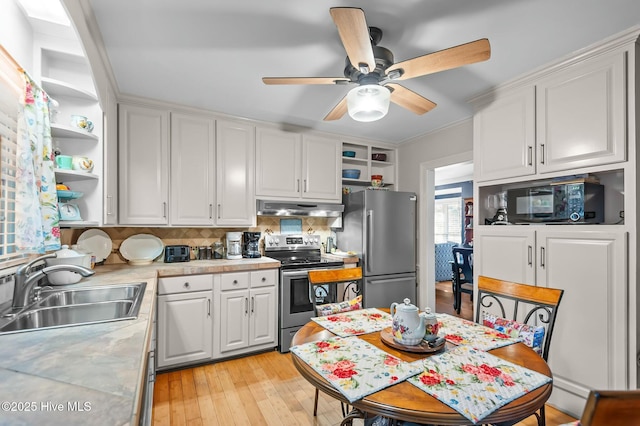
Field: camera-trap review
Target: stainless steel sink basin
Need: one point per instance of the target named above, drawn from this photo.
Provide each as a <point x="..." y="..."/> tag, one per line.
<point x="79" y="306"/>
<point x="90" y="295"/>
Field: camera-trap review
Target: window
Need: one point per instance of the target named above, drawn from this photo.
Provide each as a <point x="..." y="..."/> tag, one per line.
<point x="10" y="92"/>
<point x="448" y="220"/>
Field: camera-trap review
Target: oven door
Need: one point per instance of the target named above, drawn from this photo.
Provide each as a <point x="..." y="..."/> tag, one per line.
<point x="296" y="306"/>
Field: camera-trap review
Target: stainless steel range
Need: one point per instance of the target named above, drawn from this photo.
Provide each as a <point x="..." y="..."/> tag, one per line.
<point x="297" y="253"/>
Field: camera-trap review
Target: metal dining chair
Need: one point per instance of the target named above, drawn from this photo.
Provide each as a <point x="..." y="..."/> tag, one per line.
<point x="462" y="275"/>
<point x="523" y="303"/>
<point x="334" y="289"/>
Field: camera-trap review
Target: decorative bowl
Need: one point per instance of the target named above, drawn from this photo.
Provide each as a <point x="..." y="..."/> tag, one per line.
<point x="379" y="157"/>
<point x="351" y="154"/>
<point x="351" y="173"/>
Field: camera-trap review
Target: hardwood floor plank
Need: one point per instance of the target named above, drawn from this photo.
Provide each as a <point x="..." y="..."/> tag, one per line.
<point x="161" y="404"/>
<point x="189" y="396"/>
<point x="176" y="399"/>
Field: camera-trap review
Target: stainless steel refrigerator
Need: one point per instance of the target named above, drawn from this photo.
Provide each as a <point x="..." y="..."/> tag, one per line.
<point x="381" y="227"/>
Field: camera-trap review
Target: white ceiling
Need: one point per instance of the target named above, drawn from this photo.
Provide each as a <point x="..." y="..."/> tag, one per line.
<point x="212" y="54"/>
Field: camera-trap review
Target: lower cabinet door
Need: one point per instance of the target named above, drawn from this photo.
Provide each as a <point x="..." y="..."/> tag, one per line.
<point x="234" y="324"/>
<point x="184" y="328"/>
<point x="263" y="316"/>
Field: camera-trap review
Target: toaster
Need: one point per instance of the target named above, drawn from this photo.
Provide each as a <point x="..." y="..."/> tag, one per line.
<point x="178" y="253"/>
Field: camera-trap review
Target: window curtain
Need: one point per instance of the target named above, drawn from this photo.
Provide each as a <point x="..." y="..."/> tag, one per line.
<point x="37" y="219"/>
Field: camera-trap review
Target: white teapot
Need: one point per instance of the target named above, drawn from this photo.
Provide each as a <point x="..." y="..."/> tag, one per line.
<point x="408" y="325"/>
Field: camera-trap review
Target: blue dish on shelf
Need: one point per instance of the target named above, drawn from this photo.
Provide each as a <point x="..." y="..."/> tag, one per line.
<point x="69" y="195"/>
<point x="351" y="154"/>
<point x="351" y="173"/>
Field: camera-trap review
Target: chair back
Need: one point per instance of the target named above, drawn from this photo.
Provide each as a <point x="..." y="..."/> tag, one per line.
<point x="526" y="304"/>
<point x="463" y="264"/>
<point x="612" y="408"/>
<point x="335" y="287"/>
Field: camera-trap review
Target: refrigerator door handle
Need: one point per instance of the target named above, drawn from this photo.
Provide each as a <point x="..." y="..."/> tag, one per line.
<point x="369" y="242"/>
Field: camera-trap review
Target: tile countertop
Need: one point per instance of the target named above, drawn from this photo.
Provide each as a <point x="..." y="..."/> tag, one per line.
<point x="91" y="374"/>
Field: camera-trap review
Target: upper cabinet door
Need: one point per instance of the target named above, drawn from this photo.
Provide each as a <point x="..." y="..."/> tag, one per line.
<point x="504" y="136"/>
<point x="192" y="169"/>
<point x="321" y="168"/>
<point x="235" y="148"/>
<point x="581" y="115"/>
<point x="143" y="165"/>
<point x="278" y="163"/>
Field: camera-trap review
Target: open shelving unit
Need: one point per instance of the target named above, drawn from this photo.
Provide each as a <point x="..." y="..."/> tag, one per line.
<point x="363" y="161"/>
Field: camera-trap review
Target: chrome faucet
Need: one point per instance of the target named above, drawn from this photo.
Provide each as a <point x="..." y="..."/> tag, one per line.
<point x="25" y="280"/>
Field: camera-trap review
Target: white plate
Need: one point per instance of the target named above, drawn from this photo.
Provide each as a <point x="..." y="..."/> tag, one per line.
<point x="141" y="247"/>
<point x="344" y="254"/>
<point x="97" y="242"/>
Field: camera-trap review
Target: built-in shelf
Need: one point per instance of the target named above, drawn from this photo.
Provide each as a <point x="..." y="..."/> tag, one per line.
<point x="363" y="161"/>
<point x="64" y="175"/>
<point x="62" y="131"/>
<point x="56" y="88"/>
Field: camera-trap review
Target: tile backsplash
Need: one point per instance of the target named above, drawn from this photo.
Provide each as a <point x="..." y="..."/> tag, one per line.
<point x="195" y="236"/>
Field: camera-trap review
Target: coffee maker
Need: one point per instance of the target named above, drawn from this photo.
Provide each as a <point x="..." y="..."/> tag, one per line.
<point x="251" y="244"/>
<point x="234" y="245"/>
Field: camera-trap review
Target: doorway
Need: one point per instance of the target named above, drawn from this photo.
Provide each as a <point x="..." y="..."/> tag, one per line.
<point x="447" y="168"/>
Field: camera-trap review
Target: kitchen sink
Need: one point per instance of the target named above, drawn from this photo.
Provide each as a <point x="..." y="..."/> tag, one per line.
<point x="79" y="306"/>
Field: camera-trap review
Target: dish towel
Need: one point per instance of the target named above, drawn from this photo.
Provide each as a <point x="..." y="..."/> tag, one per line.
<point x="473" y="382"/>
<point x="354" y="367"/>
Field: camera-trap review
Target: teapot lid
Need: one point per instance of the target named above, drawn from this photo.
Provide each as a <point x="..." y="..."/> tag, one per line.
<point x="407" y="306"/>
<point x="428" y="313"/>
<point x="67" y="252"/>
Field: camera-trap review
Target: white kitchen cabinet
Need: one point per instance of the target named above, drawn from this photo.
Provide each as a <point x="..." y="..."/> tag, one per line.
<point x="504" y="136"/>
<point x="235" y="165"/>
<point x="571" y="117"/>
<point x="193" y="146"/>
<point x="589" y="265"/>
<point x="143" y="160"/>
<point x="245" y="305"/>
<point x="185" y="323"/>
<point x="297" y="167"/>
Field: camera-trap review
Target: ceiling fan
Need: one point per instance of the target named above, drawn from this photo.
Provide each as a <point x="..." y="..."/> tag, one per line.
<point x="372" y="68"/>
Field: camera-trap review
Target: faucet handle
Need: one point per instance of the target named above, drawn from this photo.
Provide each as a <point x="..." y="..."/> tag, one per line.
<point x="25" y="269"/>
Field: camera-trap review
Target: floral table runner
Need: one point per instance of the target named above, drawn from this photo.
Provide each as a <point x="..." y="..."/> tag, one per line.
<point x="354" y="323"/>
<point x="473" y="382"/>
<point x="463" y="332"/>
<point x="355" y="367"/>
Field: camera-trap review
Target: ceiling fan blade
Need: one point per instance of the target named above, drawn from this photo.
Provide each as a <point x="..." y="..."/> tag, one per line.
<point x="338" y="111"/>
<point x="409" y="99"/>
<point x="453" y="57"/>
<point x="305" y="80"/>
<point x="354" y="34"/>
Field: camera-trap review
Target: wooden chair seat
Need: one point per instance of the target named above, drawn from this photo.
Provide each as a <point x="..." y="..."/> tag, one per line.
<point x="612" y="408"/>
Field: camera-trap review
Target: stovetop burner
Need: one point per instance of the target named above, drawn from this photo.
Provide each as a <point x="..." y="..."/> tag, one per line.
<point x="297" y="251"/>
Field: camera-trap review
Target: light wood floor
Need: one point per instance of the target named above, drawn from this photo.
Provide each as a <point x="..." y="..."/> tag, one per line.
<point x="264" y="389"/>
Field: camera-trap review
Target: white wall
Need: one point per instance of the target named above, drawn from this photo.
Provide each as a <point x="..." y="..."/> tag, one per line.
<point x="417" y="159"/>
<point x="15" y="34"/>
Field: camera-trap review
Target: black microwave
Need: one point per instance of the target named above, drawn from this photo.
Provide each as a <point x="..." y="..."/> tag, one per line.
<point x="581" y="202"/>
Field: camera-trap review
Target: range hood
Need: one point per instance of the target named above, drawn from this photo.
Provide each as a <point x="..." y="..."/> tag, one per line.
<point x="287" y="208"/>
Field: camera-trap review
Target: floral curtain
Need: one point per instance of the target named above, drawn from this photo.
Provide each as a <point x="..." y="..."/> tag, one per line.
<point x="37" y="220"/>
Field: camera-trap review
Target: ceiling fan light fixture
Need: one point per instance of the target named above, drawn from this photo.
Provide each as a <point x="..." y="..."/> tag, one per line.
<point x="369" y="102"/>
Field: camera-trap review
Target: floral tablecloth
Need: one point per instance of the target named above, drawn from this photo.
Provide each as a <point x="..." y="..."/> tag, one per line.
<point x="354" y="323"/>
<point x="463" y="332"/>
<point x="355" y="367"/>
<point x="473" y="382"/>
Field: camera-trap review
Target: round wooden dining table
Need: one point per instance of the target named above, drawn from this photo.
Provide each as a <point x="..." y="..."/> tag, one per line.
<point x="404" y="401"/>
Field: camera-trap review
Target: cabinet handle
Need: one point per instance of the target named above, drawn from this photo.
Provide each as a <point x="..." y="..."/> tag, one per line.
<point x="164" y="209"/>
<point x="235" y="281"/>
<point x="219" y="208"/>
<point x="246" y="305"/>
<point x="109" y="205"/>
<point x="210" y="211"/>
<point x="529" y="255"/>
<point x="208" y="307"/>
<point x="263" y="279"/>
<point x="530" y="155"/>
<point x="186" y="285"/>
<point x="542" y="260"/>
<point x="541" y="153"/>
<point x="306" y="186"/>
<point x="252" y="303"/>
<point x="297" y="185"/>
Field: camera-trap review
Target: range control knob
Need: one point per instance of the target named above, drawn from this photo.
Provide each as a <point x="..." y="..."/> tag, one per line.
<point x="574" y="217"/>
